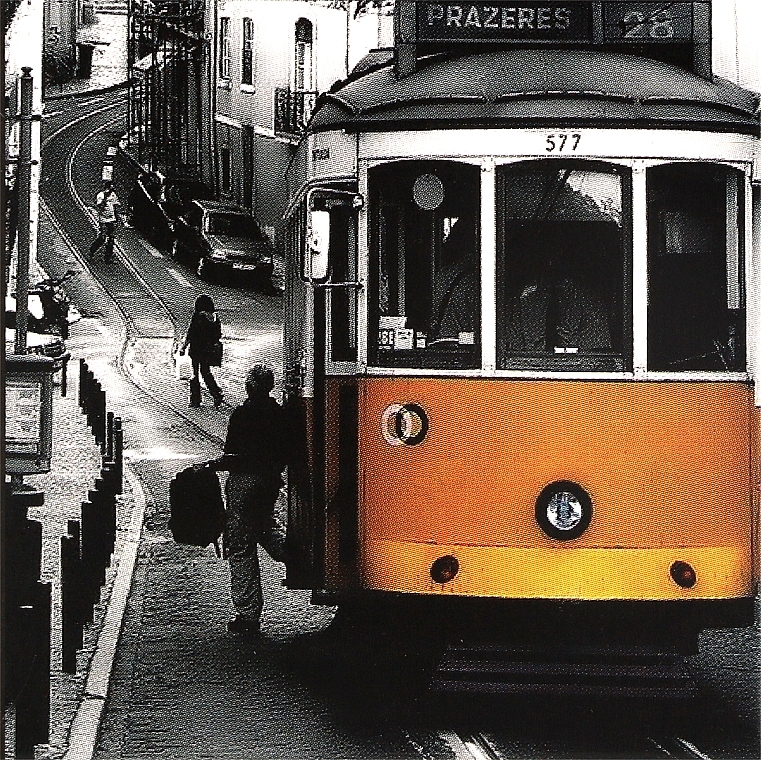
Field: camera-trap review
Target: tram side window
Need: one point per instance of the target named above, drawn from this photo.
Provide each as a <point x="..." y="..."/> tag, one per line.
<point x="563" y="254"/>
<point x="696" y="299"/>
<point x="343" y="301"/>
<point x="425" y="306"/>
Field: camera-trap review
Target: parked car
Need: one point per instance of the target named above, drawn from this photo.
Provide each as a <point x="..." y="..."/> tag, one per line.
<point x="214" y="236"/>
<point x="157" y="199"/>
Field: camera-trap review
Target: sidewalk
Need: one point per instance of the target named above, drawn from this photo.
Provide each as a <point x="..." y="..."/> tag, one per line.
<point x="109" y="61"/>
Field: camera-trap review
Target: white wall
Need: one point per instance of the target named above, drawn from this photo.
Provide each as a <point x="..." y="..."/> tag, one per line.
<point x="23" y="47"/>
<point x="736" y="40"/>
<point x="370" y="30"/>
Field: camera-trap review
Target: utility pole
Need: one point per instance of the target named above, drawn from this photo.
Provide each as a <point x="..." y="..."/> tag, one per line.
<point x="24" y="180"/>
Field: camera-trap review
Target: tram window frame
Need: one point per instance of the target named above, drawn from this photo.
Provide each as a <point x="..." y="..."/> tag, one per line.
<point x="695" y="323"/>
<point x="416" y="259"/>
<point x="343" y="303"/>
<point x="611" y="306"/>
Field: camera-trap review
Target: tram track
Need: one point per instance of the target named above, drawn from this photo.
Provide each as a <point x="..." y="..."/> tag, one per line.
<point x="674" y="746"/>
<point x="472" y="745"/>
<point x="131" y="331"/>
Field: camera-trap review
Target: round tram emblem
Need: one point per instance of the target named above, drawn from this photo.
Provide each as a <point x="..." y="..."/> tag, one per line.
<point x="404" y="424"/>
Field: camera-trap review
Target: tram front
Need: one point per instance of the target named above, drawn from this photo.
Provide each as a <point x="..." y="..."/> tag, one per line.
<point x="522" y="328"/>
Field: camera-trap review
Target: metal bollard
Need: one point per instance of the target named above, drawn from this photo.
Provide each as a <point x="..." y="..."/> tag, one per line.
<point x="33" y="701"/>
<point x="82" y="382"/>
<point x="21" y="563"/>
<point x="64" y="374"/>
<point x="71" y="598"/>
<point x="92" y="408"/>
<point x="119" y="454"/>
<point x="102" y="421"/>
<point x="99" y="497"/>
<point x="89" y="561"/>
<point x="108" y="515"/>
<point x="110" y="436"/>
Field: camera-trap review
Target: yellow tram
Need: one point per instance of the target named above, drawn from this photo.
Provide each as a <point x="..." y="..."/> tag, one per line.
<point x="522" y="322"/>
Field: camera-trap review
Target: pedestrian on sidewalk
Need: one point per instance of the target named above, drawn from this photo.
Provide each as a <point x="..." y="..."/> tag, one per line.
<point x="203" y="338"/>
<point x="106" y="203"/>
<point x="255" y="453"/>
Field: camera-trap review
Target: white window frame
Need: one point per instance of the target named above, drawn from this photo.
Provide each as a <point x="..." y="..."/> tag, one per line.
<point x="639" y="284"/>
<point x="225" y="48"/>
<point x="247" y="45"/>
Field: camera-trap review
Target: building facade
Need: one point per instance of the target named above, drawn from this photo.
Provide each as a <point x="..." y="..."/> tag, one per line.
<point x="268" y="63"/>
<point x="167" y="52"/>
<point x="270" y="60"/>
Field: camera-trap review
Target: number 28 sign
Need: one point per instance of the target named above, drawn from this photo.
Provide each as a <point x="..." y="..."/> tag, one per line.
<point x="648" y="21"/>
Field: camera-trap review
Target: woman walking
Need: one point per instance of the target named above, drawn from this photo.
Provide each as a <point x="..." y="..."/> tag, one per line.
<point x="203" y="335"/>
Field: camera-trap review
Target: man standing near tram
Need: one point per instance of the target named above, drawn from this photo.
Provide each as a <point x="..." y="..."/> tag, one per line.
<point x="256" y="450"/>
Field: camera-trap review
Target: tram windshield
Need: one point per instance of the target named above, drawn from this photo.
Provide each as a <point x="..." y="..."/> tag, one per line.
<point x="696" y="310"/>
<point x="562" y="257"/>
<point x="564" y="272"/>
<point x="426" y="277"/>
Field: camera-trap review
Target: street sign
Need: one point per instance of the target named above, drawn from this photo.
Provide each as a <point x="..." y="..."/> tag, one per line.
<point x="28" y="414"/>
<point x="504" y="21"/>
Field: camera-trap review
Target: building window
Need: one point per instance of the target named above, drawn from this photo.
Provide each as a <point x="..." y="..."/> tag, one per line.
<point x="224" y="48"/>
<point x="247" y="59"/>
<point x="224" y="159"/>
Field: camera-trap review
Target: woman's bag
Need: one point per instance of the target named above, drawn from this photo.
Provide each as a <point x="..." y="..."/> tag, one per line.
<point x="183" y="365"/>
<point x="215" y="354"/>
<point x="197" y="512"/>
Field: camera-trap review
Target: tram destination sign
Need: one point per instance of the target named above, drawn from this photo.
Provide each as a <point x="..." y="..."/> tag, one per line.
<point x="504" y="21"/>
<point x="544" y="21"/>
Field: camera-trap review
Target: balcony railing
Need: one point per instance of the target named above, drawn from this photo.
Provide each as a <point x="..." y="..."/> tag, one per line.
<point x="293" y="109"/>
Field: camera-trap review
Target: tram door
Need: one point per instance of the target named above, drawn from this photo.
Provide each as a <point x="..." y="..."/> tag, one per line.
<point x="322" y="524"/>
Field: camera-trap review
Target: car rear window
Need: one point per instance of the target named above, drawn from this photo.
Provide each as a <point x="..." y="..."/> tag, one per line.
<point x="235" y="225"/>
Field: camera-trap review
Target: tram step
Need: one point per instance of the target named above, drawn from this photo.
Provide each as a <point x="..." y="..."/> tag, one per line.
<point x="615" y="671"/>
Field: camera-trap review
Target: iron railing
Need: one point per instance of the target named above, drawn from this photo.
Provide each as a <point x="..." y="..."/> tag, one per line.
<point x="293" y="109"/>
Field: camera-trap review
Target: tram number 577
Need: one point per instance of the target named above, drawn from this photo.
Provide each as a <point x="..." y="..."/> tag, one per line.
<point x="562" y="142"/>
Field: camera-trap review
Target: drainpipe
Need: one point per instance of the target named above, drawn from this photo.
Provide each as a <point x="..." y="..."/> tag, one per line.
<point x="213" y="98"/>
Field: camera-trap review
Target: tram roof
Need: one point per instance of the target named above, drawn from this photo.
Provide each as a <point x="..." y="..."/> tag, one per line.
<point x="537" y="87"/>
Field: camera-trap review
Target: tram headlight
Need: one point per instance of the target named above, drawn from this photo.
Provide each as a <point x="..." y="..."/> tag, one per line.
<point x="563" y="510"/>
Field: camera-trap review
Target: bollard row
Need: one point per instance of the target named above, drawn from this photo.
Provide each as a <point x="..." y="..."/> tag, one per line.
<point x="92" y="400"/>
<point x="25" y="627"/>
<point x="85" y="554"/>
<point x="87" y="549"/>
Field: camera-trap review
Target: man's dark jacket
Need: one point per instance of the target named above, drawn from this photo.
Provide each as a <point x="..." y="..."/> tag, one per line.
<point x="257" y="437"/>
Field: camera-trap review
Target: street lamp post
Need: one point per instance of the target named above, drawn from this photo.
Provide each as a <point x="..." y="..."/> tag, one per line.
<point x="24" y="180"/>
